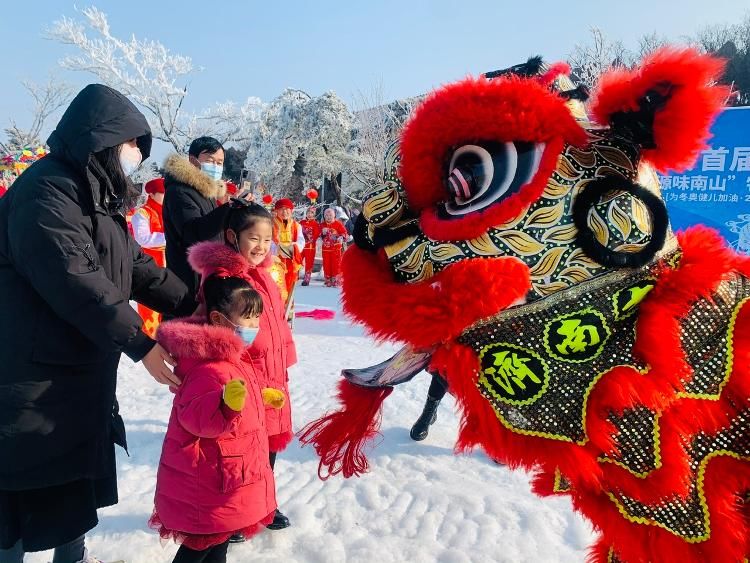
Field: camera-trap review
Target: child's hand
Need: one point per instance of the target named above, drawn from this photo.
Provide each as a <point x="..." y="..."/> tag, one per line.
<point x="235" y="394"/>
<point x="273" y="397"/>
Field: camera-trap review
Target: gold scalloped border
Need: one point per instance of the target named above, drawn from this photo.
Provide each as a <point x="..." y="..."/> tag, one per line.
<point x="701" y="498"/>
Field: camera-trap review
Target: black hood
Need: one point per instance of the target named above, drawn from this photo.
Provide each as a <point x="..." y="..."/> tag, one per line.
<point x="98" y="118"/>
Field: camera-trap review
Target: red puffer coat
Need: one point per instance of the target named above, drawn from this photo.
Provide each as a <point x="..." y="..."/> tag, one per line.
<point x="273" y="351"/>
<point x="214" y="478"/>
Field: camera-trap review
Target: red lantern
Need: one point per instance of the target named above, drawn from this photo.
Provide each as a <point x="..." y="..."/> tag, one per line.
<point x="312" y="194"/>
<point x="268" y="199"/>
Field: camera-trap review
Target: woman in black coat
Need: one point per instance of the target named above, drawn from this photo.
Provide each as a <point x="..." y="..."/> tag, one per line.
<point x="68" y="269"/>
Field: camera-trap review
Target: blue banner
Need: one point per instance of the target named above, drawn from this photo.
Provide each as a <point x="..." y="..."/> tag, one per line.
<point x="716" y="192"/>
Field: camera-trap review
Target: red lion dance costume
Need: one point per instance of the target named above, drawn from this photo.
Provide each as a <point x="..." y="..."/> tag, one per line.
<point x="526" y="251"/>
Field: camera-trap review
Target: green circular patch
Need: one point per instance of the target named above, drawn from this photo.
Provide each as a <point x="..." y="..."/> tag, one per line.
<point x="513" y="374"/>
<point x="577" y="337"/>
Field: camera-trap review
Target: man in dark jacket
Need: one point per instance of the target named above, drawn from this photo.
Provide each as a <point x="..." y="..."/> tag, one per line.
<point x="352" y="221"/>
<point x="67" y="272"/>
<point x="191" y="210"/>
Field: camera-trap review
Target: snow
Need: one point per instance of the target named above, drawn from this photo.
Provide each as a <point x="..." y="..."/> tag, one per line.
<point x="419" y="503"/>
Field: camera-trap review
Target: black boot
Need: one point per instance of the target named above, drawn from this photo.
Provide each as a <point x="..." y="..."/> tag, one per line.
<point x="422" y="426"/>
<point x="237" y="538"/>
<point x="279" y="521"/>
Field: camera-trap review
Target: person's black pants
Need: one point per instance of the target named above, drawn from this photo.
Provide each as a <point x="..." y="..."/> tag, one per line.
<point x="215" y="554"/>
<point x="272" y="459"/>
<point x="438" y="387"/>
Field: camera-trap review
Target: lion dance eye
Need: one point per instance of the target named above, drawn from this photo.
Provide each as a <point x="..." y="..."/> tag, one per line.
<point x="484" y="173"/>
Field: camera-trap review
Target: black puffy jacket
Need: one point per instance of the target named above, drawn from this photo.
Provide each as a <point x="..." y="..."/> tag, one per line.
<point x="191" y="214"/>
<point x="67" y="271"/>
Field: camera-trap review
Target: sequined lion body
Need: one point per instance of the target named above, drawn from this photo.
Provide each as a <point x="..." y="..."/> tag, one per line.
<point x="527" y="248"/>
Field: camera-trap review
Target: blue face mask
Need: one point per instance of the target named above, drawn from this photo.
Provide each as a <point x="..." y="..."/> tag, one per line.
<point x="213" y="171"/>
<point x="247" y="334"/>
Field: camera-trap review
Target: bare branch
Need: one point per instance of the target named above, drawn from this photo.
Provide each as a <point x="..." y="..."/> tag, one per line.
<point x="48" y="98"/>
<point x="590" y="60"/>
<point x="148" y="73"/>
<point x="376" y="125"/>
<point x="650" y="43"/>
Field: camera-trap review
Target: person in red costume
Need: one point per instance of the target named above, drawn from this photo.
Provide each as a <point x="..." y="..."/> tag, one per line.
<point x="311" y="231"/>
<point x="289" y="241"/>
<point x="148" y="230"/>
<point x="334" y="235"/>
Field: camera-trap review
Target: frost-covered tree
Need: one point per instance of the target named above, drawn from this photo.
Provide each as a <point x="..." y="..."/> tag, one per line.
<point x="227" y="122"/>
<point x="147" y="171"/>
<point x="302" y="141"/>
<point x="589" y="60"/>
<point x="649" y="43"/>
<point x="48" y="98"/>
<point x="274" y="147"/>
<point x="377" y="124"/>
<point x="327" y="126"/>
<point x="731" y="42"/>
<point x="153" y="77"/>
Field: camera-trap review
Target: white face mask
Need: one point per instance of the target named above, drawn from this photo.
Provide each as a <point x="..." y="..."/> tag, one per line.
<point x="212" y="170"/>
<point x="130" y="159"/>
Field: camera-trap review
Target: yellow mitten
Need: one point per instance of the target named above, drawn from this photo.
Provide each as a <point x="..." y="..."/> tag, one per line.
<point x="235" y="394"/>
<point x="273" y="397"/>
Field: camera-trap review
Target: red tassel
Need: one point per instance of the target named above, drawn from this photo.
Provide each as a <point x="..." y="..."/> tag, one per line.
<point x="339" y="437"/>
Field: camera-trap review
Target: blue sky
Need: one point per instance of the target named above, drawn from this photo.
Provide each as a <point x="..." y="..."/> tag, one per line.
<point x="259" y="48"/>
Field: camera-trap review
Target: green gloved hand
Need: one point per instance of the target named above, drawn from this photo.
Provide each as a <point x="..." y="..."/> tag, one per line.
<point x="273" y="397"/>
<point x="235" y="394"/>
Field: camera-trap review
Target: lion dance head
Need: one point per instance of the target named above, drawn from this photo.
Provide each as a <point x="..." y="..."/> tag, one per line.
<point x="520" y="242"/>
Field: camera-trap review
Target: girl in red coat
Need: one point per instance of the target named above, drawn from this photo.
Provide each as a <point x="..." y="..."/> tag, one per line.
<point x="246" y="254"/>
<point x="311" y="230"/>
<point x="334" y="235"/>
<point x="214" y="478"/>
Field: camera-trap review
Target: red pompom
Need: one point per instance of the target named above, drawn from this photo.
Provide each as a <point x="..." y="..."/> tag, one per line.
<point x="682" y="127"/>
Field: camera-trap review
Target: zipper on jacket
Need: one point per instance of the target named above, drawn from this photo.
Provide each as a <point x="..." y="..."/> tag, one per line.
<point x="85" y="251"/>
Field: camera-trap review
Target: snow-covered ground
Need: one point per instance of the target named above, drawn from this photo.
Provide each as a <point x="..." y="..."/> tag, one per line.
<point x="419" y="503"/>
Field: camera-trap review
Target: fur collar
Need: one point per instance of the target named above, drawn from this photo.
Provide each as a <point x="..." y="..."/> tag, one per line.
<point x="209" y="258"/>
<point x="179" y="168"/>
<point x="193" y="338"/>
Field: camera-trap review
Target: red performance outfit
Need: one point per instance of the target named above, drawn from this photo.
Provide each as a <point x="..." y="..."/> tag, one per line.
<point x="311" y="231"/>
<point x="334" y="234"/>
<point x="147" y="228"/>
<point x="289" y="240"/>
